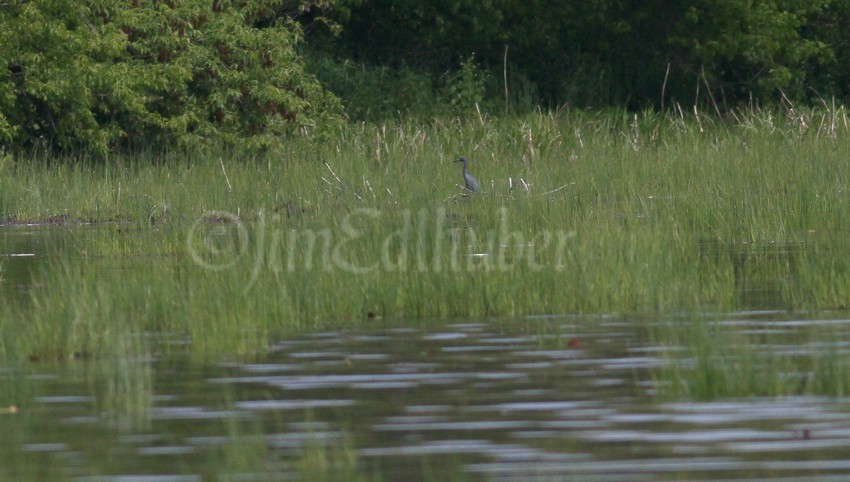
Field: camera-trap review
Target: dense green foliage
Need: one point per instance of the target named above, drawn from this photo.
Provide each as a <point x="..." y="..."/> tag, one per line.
<point x="101" y="74"/>
<point x="104" y="73"/>
<point x="611" y="52"/>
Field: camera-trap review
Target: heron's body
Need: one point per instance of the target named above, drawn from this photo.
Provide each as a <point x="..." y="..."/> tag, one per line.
<point x="468" y="179"/>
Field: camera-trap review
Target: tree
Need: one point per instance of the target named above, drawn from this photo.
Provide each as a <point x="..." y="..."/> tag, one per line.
<point x="612" y="51"/>
<point x="753" y="48"/>
<point x="98" y="74"/>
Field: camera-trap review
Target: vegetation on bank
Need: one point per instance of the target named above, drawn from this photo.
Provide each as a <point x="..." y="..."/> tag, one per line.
<point x="102" y="76"/>
<point x="603" y="53"/>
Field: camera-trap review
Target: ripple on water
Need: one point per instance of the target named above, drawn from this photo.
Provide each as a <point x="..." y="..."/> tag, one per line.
<point x="492" y="402"/>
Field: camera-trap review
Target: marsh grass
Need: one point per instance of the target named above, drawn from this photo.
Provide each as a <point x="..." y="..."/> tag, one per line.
<point x="124" y="388"/>
<point x="245" y="451"/>
<point x="330" y="461"/>
<point x="581" y="213"/>
<point x="710" y="360"/>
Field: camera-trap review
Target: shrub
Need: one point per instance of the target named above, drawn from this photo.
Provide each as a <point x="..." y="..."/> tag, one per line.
<point x="99" y="74"/>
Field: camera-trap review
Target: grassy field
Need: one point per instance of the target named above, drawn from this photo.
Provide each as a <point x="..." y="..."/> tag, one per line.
<point x="618" y="213"/>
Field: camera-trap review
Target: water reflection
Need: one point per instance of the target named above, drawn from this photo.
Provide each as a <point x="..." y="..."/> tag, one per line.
<point x="18" y="258"/>
<point x="763" y="272"/>
<point x="470" y="401"/>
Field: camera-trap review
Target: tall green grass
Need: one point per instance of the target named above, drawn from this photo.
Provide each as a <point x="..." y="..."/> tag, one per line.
<point x="580" y="213"/>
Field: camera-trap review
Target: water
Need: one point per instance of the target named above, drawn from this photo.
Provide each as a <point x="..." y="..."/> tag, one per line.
<point x="761" y="270"/>
<point x="538" y="399"/>
<point x="467" y="399"/>
<point x="19" y="248"/>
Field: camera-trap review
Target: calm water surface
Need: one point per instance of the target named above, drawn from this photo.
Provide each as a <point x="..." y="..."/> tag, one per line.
<point x="465" y="400"/>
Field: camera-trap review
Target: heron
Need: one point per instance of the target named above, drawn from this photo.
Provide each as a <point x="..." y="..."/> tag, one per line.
<point x="468" y="179"/>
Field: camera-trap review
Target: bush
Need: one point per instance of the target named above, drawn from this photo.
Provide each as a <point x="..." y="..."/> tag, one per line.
<point x="99" y="74"/>
<point x="465" y="88"/>
<point x="375" y="93"/>
<point x="610" y="52"/>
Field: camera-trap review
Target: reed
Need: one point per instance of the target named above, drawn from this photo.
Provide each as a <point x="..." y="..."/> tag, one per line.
<point x="613" y="212"/>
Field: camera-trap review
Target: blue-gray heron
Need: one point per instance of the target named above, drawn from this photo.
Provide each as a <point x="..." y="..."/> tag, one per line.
<point x="471" y="182"/>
